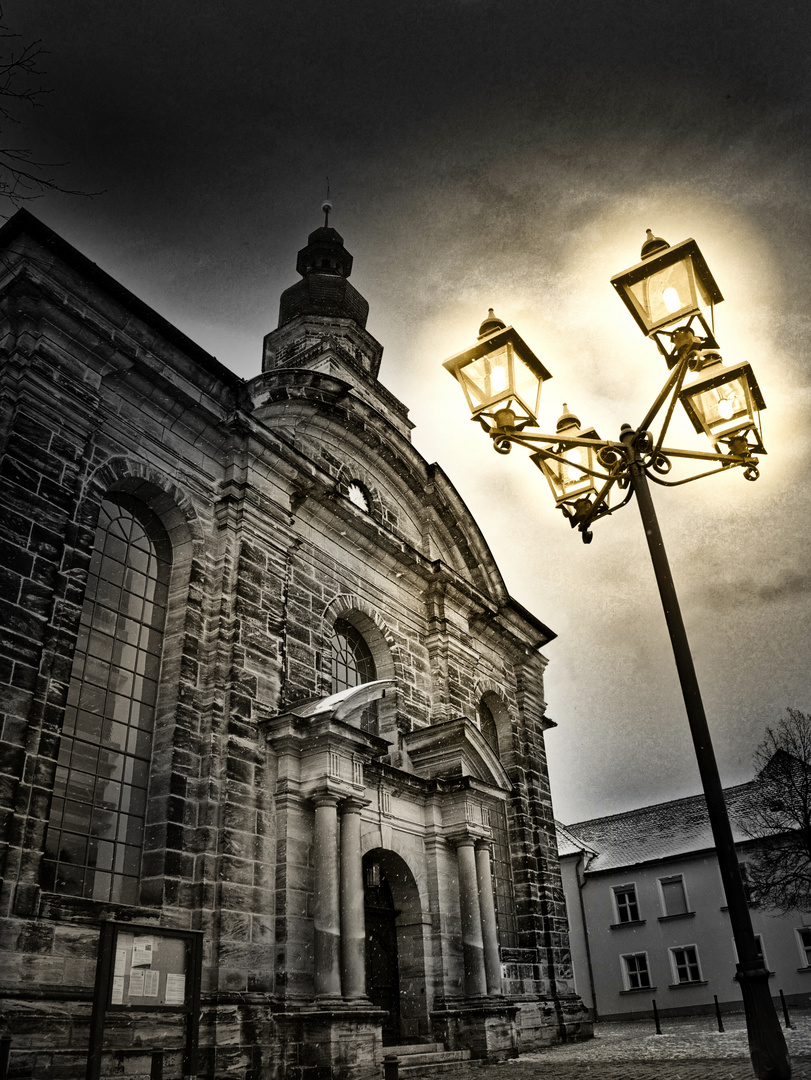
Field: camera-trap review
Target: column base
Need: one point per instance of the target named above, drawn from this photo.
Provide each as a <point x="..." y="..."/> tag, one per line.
<point x="485" y="1026"/>
<point x="338" y="1040"/>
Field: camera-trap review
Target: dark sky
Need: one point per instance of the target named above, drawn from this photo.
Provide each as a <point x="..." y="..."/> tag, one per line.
<point x="506" y="154"/>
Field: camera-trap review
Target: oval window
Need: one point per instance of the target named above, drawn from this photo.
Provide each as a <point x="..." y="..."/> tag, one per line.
<point x="359" y="496"/>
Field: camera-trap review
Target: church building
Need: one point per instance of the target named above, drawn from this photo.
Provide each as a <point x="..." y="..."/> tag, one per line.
<point x="273" y="786"/>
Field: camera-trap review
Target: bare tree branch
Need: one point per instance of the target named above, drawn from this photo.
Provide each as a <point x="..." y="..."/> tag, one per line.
<point x="23" y="176"/>
<point x="778" y="815"/>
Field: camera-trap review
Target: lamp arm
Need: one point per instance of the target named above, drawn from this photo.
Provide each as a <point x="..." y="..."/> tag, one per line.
<point x="600" y="508"/>
<point x="503" y="437"/>
<point x="581" y="468"/>
<point x="531" y="439"/>
<point x="676" y="375"/>
<point x="681" y="368"/>
<point x="687" y="479"/>
<point x="706" y="455"/>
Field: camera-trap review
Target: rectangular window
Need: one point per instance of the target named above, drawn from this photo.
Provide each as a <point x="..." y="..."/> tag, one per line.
<point x="626" y="903"/>
<point x="685" y="964"/>
<point x="674" y="898"/>
<point x="761" y="955"/>
<point x="502" y="879"/>
<point x="747" y="883"/>
<point x="804" y="941"/>
<point x="635" y="971"/>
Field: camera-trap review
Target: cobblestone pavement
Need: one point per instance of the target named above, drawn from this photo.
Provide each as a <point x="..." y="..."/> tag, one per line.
<point x="689" y="1048"/>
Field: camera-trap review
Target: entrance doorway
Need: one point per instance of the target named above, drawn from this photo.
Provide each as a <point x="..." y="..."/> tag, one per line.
<point x="382" y="967"/>
<point x="397" y="935"/>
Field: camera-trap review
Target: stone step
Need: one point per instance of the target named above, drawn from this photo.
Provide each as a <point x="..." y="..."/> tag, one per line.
<point x="412" y="1048"/>
<point x="414" y="1062"/>
<point x="428" y="1070"/>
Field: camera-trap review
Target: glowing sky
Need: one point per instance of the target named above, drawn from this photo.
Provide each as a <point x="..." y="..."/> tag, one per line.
<point x="494" y="154"/>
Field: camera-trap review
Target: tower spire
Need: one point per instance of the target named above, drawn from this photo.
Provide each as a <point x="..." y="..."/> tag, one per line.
<point x="324" y="265"/>
<point x="326" y="206"/>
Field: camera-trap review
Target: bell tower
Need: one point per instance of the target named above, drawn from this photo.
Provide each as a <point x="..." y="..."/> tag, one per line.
<point x="322" y="318"/>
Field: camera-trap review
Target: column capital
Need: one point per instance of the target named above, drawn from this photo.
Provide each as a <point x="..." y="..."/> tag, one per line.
<point x="353" y="804"/>
<point x="484" y="842"/>
<point x="463" y="841"/>
<point x="324" y="797"/>
<point x="465" y="836"/>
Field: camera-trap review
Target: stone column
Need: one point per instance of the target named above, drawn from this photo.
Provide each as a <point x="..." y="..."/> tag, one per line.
<point x="325" y="898"/>
<point x="475" y="979"/>
<point x="353" y="921"/>
<point x="487" y="906"/>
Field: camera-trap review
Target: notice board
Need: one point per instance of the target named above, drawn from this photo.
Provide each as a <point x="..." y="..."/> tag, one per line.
<point x="146" y="969"/>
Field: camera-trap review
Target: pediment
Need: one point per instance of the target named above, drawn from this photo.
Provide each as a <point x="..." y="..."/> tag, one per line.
<point x="455" y="748"/>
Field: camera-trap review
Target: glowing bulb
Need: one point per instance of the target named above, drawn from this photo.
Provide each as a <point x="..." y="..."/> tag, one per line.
<point x="574" y="456"/>
<point x="725" y="409"/>
<point x="671" y="300"/>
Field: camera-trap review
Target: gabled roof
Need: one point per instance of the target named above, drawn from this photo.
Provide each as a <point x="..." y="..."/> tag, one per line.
<point x="653" y="833"/>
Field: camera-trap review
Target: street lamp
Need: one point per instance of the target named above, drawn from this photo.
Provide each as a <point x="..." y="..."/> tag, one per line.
<point x="671" y="294"/>
<point x="571" y="468"/>
<point x="671" y="289"/>
<point x="725" y="404"/>
<point x="500" y="376"/>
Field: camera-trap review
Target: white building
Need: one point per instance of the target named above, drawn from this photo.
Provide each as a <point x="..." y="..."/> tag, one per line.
<point x="648" y="919"/>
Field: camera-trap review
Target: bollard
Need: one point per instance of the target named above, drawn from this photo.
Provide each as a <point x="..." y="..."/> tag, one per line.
<point x="391" y="1068"/>
<point x="5" y="1052"/>
<point x="656" y="1017"/>
<point x="785" y="1010"/>
<point x="718" y="1013"/>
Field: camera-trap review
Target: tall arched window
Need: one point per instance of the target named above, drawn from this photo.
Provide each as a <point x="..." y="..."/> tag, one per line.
<point x="95" y="831"/>
<point x="487" y="722"/>
<point x="352" y="665"/>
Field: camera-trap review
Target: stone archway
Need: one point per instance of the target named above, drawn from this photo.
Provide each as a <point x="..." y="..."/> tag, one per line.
<point x="395" y="948"/>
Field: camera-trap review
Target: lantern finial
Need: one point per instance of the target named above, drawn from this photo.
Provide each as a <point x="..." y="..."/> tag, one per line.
<point x="567" y="420"/>
<point x="653" y="244"/>
<point x="491" y="324"/>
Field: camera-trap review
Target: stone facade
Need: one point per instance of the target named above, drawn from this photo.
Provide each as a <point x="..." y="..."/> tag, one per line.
<point x="318" y="839"/>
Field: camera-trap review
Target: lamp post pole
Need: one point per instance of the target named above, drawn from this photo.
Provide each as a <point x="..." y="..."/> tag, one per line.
<point x="671" y="294"/>
<point x="767" y="1044"/>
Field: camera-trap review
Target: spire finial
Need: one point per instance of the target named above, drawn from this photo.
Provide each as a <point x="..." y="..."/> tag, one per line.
<point x="326" y="206"/>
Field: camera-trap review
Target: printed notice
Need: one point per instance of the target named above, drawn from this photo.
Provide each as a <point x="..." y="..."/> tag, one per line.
<point x="175" y="990"/>
<point x="120" y="962"/>
<point x="118" y="990"/>
<point x="136" y="984"/>
<point x="142" y="948"/>
<point x="151" y="982"/>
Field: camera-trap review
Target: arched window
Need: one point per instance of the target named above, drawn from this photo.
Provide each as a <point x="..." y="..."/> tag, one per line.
<point x="487" y="722"/>
<point x="352" y="665"/>
<point x="95" y="831"/>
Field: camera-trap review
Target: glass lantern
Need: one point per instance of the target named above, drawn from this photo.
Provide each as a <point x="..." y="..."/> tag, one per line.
<point x="672" y="287"/>
<point x="724" y="404"/>
<point x="565" y="472"/>
<point x="501" y="376"/>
